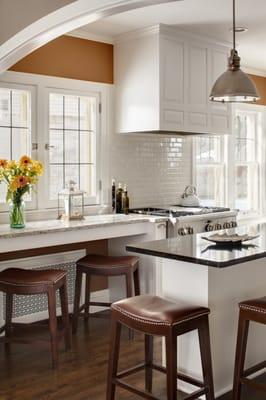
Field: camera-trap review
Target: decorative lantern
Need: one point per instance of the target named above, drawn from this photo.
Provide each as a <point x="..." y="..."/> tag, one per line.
<point x="71" y="203"/>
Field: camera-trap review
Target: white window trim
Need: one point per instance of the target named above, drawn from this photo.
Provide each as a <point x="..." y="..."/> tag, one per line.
<point x="41" y="83"/>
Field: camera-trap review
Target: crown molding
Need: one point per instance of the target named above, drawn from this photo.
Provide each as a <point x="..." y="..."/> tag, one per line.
<point x="254" y="71"/>
<point x="83" y="34"/>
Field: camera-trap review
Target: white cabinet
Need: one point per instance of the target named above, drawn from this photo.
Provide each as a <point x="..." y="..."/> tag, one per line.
<point x="163" y="78"/>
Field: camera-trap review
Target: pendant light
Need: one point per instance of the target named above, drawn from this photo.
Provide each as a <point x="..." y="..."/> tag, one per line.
<point x="234" y="85"/>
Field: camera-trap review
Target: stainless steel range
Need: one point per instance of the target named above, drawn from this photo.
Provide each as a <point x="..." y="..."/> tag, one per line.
<point x="183" y="221"/>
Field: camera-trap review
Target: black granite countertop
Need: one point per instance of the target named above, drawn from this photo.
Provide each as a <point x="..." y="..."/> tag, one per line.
<point x="196" y="250"/>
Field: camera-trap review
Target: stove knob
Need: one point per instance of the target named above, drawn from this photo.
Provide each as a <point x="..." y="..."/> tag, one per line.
<point x="190" y="230"/>
<point x="233" y="224"/>
<point x="208" y="228"/>
<point x="181" y="231"/>
<point x="227" y="225"/>
<point x="217" y="227"/>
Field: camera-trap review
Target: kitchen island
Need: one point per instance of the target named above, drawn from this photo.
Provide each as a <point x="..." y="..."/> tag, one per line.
<point x="219" y="277"/>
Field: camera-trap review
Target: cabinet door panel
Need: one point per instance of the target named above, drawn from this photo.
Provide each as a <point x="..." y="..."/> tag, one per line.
<point x="197" y="79"/>
<point x="172" y="72"/>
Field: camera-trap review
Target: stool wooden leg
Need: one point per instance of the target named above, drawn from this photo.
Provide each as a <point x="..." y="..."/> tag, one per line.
<point x="148" y="362"/>
<point x="65" y="315"/>
<point x="130" y="293"/>
<point x="205" y="350"/>
<point x="136" y="282"/>
<point x="171" y="365"/>
<point x="76" y="301"/>
<point x="113" y="359"/>
<point x="53" y="326"/>
<point x="8" y="318"/>
<point x="87" y="297"/>
<point x="242" y="338"/>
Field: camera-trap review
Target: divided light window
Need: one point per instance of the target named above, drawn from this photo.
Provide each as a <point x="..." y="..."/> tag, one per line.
<point x="15" y="126"/>
<point x="72" y="143"/>
<point x="210" y="170"/>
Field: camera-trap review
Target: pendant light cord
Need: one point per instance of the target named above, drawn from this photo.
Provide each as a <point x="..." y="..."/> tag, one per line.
<point x="234" y="25"/>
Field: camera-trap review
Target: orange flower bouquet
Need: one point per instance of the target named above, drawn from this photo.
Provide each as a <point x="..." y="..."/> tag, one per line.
<point x="19" y="177"/>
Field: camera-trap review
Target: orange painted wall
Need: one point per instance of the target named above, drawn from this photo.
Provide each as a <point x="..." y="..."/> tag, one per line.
<point x="70" y="57"/>
<point x="260" y="82"/>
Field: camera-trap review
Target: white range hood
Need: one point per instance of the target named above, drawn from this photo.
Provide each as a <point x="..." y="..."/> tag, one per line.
<point x="163" y="78"/>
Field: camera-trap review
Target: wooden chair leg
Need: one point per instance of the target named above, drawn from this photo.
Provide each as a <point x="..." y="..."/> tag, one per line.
<point x="8" y="318"/>
<point x="205" y="350"/>
<point x="130" y="293"/>
<point x="241" y="347"/>
<point x="171" y="365"/>
<point x="78" y="284"/>
<point x="136" y="282"/>
<point x="87" y="297"/>
<point x="148" y="362"/>
<point x="113" y="359"/>
<point x="53" y="326"/>
<point x="65" y="314"/>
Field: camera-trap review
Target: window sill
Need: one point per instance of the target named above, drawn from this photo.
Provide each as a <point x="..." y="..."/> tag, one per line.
<point x="48" y="214"/>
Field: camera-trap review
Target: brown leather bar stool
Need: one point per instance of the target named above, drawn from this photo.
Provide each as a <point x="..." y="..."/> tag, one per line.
<point x="153" y="315"/>
<point x="251" y="310"/>
<point x="20" y="281"/>
<point x="103" y="266"/>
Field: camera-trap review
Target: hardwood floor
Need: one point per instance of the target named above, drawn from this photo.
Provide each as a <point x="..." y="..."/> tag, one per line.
<point x="26" y="374"/>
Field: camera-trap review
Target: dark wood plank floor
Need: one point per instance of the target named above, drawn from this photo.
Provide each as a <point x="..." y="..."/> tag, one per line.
<point x="25" y="373"/>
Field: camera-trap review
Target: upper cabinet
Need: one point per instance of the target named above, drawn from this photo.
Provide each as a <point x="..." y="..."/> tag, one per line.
<point x="163" y="78"/>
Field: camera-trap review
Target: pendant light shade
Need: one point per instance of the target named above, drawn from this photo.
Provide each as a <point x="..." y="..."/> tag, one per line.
<point x="234" y="85"/>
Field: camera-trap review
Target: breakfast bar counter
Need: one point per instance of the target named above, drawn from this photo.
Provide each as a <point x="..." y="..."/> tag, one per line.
<point x="196" y="271"/>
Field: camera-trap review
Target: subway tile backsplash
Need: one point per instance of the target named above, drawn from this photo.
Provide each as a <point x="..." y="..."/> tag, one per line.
<point x="155" y="168"/>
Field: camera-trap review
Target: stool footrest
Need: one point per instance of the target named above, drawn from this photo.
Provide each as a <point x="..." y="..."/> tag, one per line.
<point x="132" y="389"/>
<point x="195" y="395"/>
<point x="130" y="371"/>
<point x="182" y="377"/>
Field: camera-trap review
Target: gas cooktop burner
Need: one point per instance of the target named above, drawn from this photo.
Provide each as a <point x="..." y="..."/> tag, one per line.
<point x="177" y="211"/>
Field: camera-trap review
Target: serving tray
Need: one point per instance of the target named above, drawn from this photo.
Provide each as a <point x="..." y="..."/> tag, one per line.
<point x="232" y="240"/>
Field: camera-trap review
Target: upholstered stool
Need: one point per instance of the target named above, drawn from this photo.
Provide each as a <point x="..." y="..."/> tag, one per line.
<point x="153" y="315"/>
<point x="30" y="282"/>
<point x="251" y="310"/>
<point x="103" y="266"/>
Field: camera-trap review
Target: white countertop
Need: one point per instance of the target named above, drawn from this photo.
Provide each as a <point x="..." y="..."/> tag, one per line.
<point x="95" y="221"/>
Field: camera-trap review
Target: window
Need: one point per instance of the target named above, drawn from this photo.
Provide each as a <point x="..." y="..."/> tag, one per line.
<point x="72" y="142"/>
<point x="59" y="122"/>
<point x="228" y="169"/>
<point x="15" y="126"/>
<point x="210" y="170"/>
<point x="245" y="175"/>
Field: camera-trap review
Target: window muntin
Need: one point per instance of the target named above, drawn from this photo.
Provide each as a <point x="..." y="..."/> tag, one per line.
<point x="72" y="142"/>
<point x="15" y="127"/>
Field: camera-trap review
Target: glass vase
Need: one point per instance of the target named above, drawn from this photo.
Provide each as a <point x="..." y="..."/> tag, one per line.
<point x="17" y="214"/>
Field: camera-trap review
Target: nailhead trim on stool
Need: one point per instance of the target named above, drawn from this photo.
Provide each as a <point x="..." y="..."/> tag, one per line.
<point x="155" y="316"/>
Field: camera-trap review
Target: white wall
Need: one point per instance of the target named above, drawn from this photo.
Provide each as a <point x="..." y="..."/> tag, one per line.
<point x="155" y="168"/>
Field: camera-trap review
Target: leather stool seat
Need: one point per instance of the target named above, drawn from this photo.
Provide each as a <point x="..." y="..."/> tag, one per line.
<point x="250" y="310"/>
<point x="155" y="316"/>
<point x="156" y="310"/>
<point x="25" y="277"/>
<point x="98" y="262"/>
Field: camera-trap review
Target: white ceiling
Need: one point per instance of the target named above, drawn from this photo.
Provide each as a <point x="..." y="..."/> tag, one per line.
<point x="212" y="18"/>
